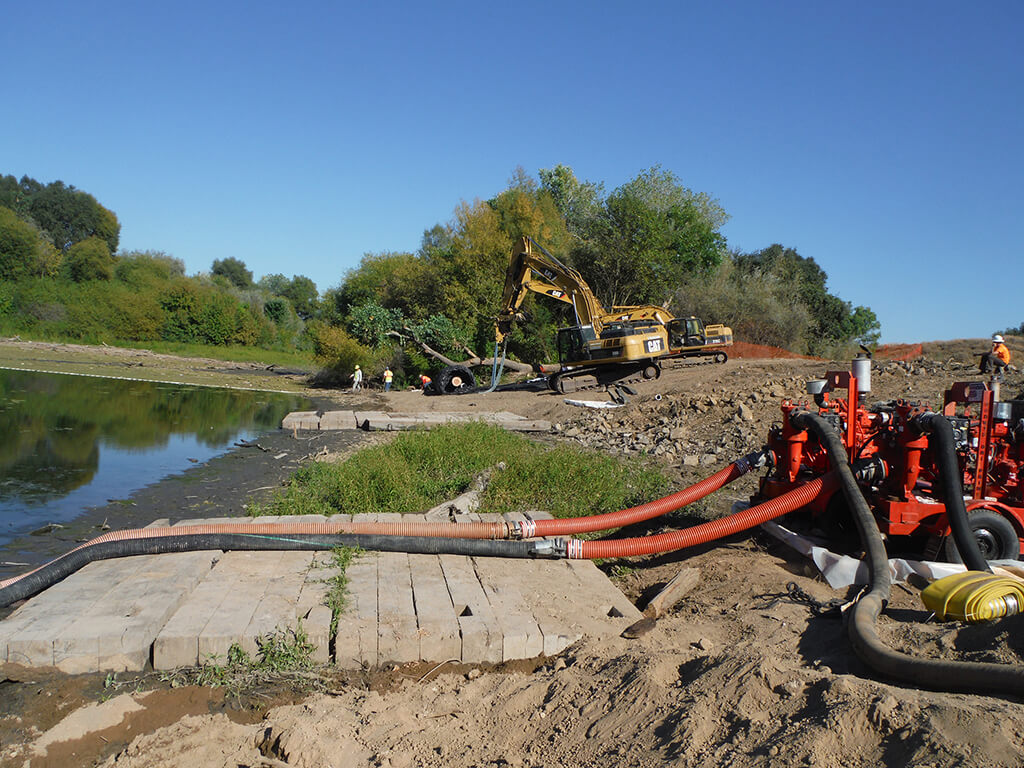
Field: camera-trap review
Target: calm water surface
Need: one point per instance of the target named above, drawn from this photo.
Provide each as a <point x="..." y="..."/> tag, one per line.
<point x="72" y="442"/>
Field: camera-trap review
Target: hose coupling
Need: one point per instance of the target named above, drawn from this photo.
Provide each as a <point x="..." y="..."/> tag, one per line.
<point x="869" y="470"/>
<point x="923" y="421"/>
<point x="755" y="460"/>
<point x="550" y="548"/>
<point x="522" y="529"/>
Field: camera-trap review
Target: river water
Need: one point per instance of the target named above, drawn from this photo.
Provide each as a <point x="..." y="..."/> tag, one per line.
<point x="72" y="442"/>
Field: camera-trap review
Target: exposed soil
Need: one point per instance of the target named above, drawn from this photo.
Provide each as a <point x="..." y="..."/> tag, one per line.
<point x="737" y="674"/>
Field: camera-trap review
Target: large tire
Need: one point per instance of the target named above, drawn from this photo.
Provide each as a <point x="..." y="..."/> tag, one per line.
<point x="996" y="537"/>
<point x="721" y="357"/>
<point x="455" y="380"/>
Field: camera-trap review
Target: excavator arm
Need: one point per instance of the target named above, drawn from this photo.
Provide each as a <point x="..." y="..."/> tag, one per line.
<point x="532" y="269"/>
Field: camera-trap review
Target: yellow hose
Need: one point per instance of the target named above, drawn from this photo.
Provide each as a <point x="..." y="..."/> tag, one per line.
<point x="974" y="596"/>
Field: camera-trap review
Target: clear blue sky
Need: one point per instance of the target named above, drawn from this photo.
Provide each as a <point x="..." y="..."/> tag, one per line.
<point x="883" y="139"/>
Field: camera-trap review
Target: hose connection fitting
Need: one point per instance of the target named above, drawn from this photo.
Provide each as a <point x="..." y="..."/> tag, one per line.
<point x="522" y="529"/>
<point x="551" y="548"/>
<point x="755" y="460"/>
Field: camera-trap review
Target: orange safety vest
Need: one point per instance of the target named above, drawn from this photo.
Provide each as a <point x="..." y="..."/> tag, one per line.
<point x="1000" y="351"/>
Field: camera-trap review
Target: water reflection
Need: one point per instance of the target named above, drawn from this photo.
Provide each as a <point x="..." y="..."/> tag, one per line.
<point x="68" y="442"/>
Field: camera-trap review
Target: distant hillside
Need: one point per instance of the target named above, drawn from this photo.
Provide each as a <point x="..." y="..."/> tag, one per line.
<point x="968" y="350"/>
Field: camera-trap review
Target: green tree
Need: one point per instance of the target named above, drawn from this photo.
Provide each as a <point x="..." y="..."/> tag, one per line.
<point x="71" y="216"/>
<point x="638" y="244"/>
<point x="374" y="325"/>
<point x="148" y="269"/>
<point x="90" y="259"/>
<point x="401" y="281"/>
<point x="302" y="293"/>
<point x="579" y="202"/>
<point x="274" y="284"/>
<point x="234" y="270"/>
<point x="19" y="245"/>
<point x="832" y="321"/>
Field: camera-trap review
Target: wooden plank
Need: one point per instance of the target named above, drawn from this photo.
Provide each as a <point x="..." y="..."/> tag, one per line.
<point x="275" y="611"/>
<point x="307" y="420"/>
<point x="481" y="633"/>
<point x="227" y="625"/>
<point x="50" y="613"/>
<point x="311" y="606"/>
<point x="437" y="624"/>
<point x="355" y="643"/>
<point x="673" y="592"/>
<point x="117" y="632"/>
<point x="362" y="417"/>
<point x="545" y="588"/>
<point x="27" y="634"/>
<point x="397" y="634"/>
<point x="522" y="637"/>
<point x="177" y="643"/>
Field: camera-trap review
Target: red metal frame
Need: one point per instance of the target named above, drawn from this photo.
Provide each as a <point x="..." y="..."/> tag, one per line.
<point x="992" y="461"/>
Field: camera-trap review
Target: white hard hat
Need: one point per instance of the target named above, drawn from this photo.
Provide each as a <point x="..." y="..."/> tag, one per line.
<point x="357" y="367"/>
<point x="997" y="339"/>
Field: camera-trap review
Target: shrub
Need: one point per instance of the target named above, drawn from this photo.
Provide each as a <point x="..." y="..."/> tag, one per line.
<point x="90" y="259"/>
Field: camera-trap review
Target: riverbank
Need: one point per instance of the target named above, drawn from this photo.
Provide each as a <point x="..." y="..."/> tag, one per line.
<point x="144" y="365"/>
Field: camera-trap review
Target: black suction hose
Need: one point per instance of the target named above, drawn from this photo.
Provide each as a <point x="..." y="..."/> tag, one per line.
<point x="965" y="677"/>
<point x="35" y="582"/>
<point x="940" y="431"/>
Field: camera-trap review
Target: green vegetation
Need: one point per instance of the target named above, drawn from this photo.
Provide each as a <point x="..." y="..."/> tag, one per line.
<point x="63" y="279"/>
<point x="279" y="654"/>
<point x="418" y="470"/>
<point x="650" y="240"/>
<point x="337" y="591"/>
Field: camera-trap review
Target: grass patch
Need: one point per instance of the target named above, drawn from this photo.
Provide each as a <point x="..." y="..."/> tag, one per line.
<point x="421" y="469"/>
<point x="337" y="589"/>
<point x="280" y="655"/>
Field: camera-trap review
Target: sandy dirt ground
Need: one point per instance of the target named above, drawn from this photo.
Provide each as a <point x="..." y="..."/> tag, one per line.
<point x="738" y="673"/>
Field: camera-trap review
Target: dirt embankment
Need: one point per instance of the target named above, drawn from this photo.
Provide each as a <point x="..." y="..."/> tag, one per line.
<point x="738" y="674"/>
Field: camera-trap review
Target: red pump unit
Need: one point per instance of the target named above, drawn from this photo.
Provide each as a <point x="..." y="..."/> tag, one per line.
<point x="895" y="462"/>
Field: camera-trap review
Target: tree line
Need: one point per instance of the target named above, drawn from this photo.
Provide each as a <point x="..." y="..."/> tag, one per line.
<point x="650" y="241"/>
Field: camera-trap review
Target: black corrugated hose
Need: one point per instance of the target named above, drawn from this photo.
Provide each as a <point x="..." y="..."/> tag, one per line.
<point x="961" y="676"/>
<point x="940" y="430"/>
<point x="49" y="574"/>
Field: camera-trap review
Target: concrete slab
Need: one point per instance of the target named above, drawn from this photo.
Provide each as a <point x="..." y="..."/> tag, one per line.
<point x="338" y="420"/>
<point x="306" y="420"/>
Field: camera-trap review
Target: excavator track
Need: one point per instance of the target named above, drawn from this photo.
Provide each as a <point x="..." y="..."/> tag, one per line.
<point x="690" y="361"/>
<point x="587" y="379"/>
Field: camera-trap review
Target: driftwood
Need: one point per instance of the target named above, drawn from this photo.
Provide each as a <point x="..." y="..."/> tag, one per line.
<point x="467" y="502"/>
<point x="473" y="360"/>
<point x="672" y="593"/>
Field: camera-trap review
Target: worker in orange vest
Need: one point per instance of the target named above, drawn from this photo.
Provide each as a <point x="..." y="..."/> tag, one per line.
<point x="998" y="359"/>
<point x="424" y="381"/>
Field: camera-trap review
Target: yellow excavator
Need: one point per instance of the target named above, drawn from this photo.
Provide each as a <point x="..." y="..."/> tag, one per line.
<point x="602" y="348"/>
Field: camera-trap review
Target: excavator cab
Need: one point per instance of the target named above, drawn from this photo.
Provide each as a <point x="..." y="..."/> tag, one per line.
<point x="574" y="344"/>
<point x="686" y="332"/>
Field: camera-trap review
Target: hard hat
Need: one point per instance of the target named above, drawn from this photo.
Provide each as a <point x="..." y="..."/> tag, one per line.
<point x="997" y="339"/>
<point x="357" y="367"/>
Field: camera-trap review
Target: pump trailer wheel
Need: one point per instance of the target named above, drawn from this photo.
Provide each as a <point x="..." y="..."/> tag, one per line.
<point x="996" y="537"/>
